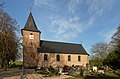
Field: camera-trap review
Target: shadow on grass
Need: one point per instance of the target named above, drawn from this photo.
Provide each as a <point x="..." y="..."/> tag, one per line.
<point x="102" y="77"/>
<point x="9" y="73"/>
<point x="107" y="76"/>
<point x="117" y="73"/>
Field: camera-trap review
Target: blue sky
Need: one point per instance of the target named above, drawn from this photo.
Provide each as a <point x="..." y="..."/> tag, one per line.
<point x="74" y="21"/>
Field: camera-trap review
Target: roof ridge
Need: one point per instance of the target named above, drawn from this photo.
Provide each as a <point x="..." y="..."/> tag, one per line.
<point x="62" y="42"/>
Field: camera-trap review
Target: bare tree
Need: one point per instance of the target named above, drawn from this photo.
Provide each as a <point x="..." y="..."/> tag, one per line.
<point x="9" y="41"/>
<point x="100" y="50"/>
<point x="30" y="57"/>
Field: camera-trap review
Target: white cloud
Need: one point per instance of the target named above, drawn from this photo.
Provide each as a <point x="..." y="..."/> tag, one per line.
<point x="97" y="8"/>
<point x="62" y="26"/>
<point x="66" y="28"/>
<point x="67" y="36"/>
<point x="68" y="24"/>
<point x="46" y="3"/>
<point x="107" y="33"/>
<point x="72" y="5"/>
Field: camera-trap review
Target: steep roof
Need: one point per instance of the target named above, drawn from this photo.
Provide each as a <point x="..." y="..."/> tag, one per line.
<point x="60" y="47"/>
<point x="30" y="24"/>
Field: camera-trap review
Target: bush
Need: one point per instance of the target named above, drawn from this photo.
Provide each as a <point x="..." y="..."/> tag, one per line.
<point x="65" y="68"/>
<point x="81" y="72"/>
<point x="77" y="74"/>
<point x="71" y="71"/>
<point x="53" y="70"/>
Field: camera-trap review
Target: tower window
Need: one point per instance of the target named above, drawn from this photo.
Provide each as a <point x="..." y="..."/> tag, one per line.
<point x="57" y="57"/>
<point x="79" y="58"/>
<point x="45" y="57"/>
<point x="31" y="36"/>
<point x="69" y="58"/>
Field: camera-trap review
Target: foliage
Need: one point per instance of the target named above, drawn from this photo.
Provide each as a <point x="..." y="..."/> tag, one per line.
<point x="99" y="50"/>
<point x="77" y="75"/>
<point x="48" y="72"/>
<point x="95" y="62"/>
<point x="113" y="59"/>
<point x="53" y="70"/>
<point x="9" y="41"/>
<point x="81" y="72"/>
<point x="76" y="71"/>
<point x="115" y="43"/>
<point x="72" y="71"/>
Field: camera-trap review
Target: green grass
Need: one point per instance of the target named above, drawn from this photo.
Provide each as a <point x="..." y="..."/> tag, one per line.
<point x="112" y="74"/>
<point x="107" y="76"/>
<point x="73" y="78"/>
<point x="18" y="62"/>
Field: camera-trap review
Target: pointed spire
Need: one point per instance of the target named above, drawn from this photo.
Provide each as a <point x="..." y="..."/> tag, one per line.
<point x="30" y="24"/>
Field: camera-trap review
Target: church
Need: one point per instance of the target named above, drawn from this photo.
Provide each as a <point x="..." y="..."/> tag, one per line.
<point x="41" y="53"/>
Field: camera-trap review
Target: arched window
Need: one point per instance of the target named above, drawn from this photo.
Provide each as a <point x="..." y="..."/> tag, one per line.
<point x="79" y="58"/>
<point x="69" y="58"/>
<point x="57" y="57"/>
<point x="45" y="57"/>
<point x="31" y="34"/>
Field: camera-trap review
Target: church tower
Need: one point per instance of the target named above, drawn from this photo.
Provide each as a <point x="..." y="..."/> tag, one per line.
<point x="30" y="42"/>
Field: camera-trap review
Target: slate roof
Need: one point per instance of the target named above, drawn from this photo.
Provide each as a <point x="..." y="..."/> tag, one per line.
<point x="61" y="47"/>
<point x="30" y="24"/>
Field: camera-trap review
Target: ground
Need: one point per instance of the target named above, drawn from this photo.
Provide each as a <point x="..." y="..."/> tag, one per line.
<point x="15" y="73"/>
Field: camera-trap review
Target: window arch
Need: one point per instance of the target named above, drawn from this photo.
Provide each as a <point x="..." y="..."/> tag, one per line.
<point x="69" y="58"/>
<point x="57" y="57"/>
<point x="79" y="58"/>
<point x="45" y="57"/>
<point x="31" y="33"/>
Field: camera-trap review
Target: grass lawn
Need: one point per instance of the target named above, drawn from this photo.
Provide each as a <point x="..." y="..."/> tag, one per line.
<point x="73" y="78"/>
<point x="18" y="62"/>
<point x="107" y="76"/>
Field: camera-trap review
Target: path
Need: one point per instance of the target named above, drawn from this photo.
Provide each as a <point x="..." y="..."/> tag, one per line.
<point x="28" y="74"/>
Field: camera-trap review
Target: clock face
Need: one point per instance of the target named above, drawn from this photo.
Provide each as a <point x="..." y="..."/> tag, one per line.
<point x="31" y="36"/>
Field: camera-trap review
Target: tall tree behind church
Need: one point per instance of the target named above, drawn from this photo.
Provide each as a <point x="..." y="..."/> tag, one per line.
<point x="8" y="39"/>
<point x="113" y="58"/>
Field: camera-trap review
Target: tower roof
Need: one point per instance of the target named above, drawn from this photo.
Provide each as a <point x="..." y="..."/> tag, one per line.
<point x="30" y="24"/>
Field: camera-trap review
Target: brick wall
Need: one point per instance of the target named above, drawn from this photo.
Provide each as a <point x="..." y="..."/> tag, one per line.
<point x="30" y="46"/>
<point x="63" y="60"/>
